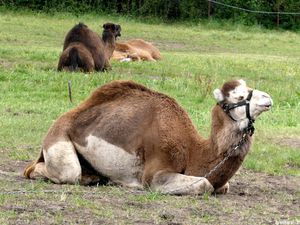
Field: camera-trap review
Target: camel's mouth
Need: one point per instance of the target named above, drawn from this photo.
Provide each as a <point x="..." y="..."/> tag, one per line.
<point x="266" y="106"/>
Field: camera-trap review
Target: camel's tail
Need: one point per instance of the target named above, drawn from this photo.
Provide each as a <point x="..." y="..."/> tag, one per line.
<point x="28" y="170"/>
<point x="74" y="60"/>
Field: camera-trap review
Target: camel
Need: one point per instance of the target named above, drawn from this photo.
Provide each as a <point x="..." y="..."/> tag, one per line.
<point x="84" y="49"/>
<point x="141" y="138"/>
<point x="136" y="50"/>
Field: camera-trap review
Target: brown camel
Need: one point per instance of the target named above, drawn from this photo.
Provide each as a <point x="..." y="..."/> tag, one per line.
<point x="84" y="49"/>
<point x="138" y="137"/>
<point x="136" y="50"/>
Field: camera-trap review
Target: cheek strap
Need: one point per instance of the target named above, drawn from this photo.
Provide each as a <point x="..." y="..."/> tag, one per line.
<point x="229" y="106"/>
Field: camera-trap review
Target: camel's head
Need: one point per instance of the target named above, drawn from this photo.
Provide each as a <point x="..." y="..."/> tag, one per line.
<point x="112" y="28"/>
<point x="234" y="96"/>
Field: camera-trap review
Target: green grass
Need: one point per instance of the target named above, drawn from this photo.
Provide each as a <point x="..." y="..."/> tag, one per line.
<point x="148" y="197"/>
<point x="196" y="59"/>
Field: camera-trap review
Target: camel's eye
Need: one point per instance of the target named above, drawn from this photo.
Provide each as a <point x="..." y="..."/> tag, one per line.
<point x="241" y="98"/>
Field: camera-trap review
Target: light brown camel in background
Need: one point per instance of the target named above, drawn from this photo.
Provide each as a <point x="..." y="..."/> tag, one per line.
<point x="136" y="50"/>
<point x="84" y="49"/>
<point x="138" y="137"/>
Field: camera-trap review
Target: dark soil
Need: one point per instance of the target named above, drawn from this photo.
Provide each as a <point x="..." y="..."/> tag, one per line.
<point x="254" y="198"/>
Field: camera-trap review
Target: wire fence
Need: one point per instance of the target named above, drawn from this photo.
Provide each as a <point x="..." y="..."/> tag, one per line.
<point x="281" y="18"/>
<point x="253" y="11"/>
<point x="266" y="13"/>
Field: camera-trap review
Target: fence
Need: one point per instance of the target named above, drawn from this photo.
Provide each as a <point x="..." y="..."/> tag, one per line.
<point x="278" y="13"/>
<point x="269" y="13"/>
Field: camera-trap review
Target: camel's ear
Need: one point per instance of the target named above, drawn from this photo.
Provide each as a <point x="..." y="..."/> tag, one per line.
<point x="218" y="95"/>
<point x="242" y="82"/>
<point x="113" y="27"/>
<point x="106" y="26"/>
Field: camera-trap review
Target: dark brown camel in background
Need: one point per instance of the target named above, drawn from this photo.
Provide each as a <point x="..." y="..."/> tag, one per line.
<point x="83" y="48"/>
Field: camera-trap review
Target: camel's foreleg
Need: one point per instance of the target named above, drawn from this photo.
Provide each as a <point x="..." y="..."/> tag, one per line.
<point x="223" y="190"/>
<point x="179" y="184"/>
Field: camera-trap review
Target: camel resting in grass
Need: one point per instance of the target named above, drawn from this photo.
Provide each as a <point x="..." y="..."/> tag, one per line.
<point x="136" y="50"/>
<point x="138" y="137"/>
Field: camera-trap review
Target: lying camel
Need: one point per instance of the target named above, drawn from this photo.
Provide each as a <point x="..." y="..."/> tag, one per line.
<point x="136" y="50"/>
<point x="84" y="49"/>
<point x="140" y="138"/>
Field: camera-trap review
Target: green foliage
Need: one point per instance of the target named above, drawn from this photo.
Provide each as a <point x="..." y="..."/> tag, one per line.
<point x="169" y="10"/>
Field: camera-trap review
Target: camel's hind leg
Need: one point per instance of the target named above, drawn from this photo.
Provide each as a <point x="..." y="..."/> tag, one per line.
<point x="146" y="56"/>
<point x="61" y="164"/>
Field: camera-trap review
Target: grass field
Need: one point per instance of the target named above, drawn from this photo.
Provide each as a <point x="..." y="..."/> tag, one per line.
<point x="196" y="59"/>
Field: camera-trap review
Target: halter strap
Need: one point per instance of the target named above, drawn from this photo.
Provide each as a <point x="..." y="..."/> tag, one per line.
<point x="229" y="106"/>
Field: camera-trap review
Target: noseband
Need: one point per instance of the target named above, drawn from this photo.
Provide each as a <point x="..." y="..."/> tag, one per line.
<point x="229" y="106"/>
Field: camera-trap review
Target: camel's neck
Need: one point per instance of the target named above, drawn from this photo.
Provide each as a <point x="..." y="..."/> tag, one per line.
<point x="109" y="43"/>
<point x="225" y="135"/>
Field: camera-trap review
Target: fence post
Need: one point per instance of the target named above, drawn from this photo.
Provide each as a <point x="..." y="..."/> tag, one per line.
<point x="278" y="21"/>
<point x="209" y="9"/>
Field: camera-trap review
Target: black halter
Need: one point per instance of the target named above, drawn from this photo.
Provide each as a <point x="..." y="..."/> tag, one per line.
<point x="229" y="106"/>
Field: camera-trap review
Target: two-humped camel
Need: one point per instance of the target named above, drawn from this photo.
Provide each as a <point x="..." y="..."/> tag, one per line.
<point x="84" y="49"/>
<point x="138" y="137"/>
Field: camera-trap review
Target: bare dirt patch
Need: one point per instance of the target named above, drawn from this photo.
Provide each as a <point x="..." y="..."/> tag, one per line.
<point x="6" y="63"/>
<point x="292" y="142"/>
<point x="189" y="46"/>
<point x="254" y="198"/>
<point x="170" y="45"/>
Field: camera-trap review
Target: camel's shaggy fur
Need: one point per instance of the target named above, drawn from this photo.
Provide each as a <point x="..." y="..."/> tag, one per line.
<point x="84" y="49"/>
